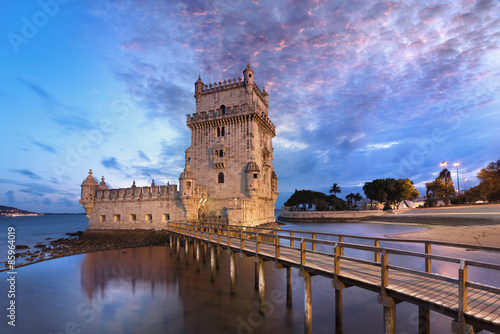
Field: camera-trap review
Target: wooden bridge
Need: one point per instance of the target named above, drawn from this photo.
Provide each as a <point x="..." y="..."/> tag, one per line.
<point x="473" y="306"/>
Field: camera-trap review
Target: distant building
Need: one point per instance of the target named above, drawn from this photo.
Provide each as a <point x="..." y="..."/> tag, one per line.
<point x="228" y="173"/>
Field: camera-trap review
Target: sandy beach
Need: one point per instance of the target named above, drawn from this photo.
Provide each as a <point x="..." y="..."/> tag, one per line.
<point x="475" y="225"/>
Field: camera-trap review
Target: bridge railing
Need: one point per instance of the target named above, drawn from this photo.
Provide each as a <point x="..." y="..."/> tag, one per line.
<point x="238" y="238"/>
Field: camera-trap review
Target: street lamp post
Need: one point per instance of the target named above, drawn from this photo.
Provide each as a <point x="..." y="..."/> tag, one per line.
<point x="456" y="164"/>
<point x="444" y="164"/>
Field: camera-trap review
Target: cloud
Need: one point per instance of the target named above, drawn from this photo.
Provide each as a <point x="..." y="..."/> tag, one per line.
<point x="112" y="163"/>
<point x="47" y="148"/>
<point x="38" y="90"/>
<point x="143" y="156"/>
<point x="10" y="197"/>
<point x="27" y="173"/>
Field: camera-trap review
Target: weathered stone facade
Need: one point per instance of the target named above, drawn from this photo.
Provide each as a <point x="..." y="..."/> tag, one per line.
<point x="229" y="170"/>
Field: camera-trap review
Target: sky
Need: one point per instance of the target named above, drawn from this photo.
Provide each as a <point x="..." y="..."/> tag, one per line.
<point x="358" y="90"/>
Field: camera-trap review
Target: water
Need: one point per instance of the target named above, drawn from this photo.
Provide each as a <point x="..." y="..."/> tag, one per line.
<point x="146" y="290"/>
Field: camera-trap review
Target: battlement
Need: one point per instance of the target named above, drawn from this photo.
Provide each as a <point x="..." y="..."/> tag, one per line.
<point x="230" y="84"/>
<point x="146" y="193"/>
<point x="228" y="115"/>
<point x="212" y="88"/>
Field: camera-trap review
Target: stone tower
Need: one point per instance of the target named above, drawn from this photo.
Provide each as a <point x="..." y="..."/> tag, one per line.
<point x="231" y="150"/>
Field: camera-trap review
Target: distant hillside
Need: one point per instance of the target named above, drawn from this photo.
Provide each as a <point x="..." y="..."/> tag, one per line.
<point x="8" y="210"/>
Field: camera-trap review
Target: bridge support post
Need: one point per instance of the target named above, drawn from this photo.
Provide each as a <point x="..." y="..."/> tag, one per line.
<point x="262" y="284"/>
<point x="460" y="326"/>
<point x="171" y="244"/>
<point x="186" y="250"/>
<point x="339" y="314"/>
<point x="384" y="299"/>
<point x="339" y="319"/>
<point x="178" y="248"/>
<point x="424" y="320"/>
<point x="256" y="275"/>
<point x="389" y="316"/>
<point x="307" y="301"/>
<point x="204" y="252"/>
<point x="212" y="262"/>
<point x="289" y="286"/>
<point x="232" y="270"/>
<point x="198" y="256"/>
<point x="217" y="254"/>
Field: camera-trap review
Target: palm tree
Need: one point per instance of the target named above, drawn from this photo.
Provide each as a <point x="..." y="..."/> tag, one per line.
<point x="349" y="198"/>
<point x="357" y="197"/>
<point x="335" y="189"/>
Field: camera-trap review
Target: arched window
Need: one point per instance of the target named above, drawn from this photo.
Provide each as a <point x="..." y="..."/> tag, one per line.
<point x="218" y="132"/>
<point x="220" y="178"/>
<point x="223" y="109"/>
<point x="222" y="132"/>
<point x="221" y="153"/>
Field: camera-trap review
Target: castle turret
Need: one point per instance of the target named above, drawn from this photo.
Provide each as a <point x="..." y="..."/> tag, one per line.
<point x="248" y="75"/>
<point x="198" y="88"/>
<point x="186" y="181"/>
<point x="274" y="184"/>
<point x="89" y="188"/>
<point x="103" y="185"/>
<point x="252" y="178"/>
<point x="266" y="96"/>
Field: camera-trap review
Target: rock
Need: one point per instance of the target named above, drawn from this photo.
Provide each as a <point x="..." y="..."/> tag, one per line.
<point x="22" y="247"/>
<point x="39" y="246"/>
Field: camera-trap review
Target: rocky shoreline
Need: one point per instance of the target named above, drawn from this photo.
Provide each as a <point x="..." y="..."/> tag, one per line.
<point x="86" y="242"/>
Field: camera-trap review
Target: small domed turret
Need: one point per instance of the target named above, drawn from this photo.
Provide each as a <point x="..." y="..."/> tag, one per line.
<point x="248" y="75"/>
<point x="187" y="181"/>
<point x="198" y="88"/>
<point x="252" y="177"/>
<point x="103" y="185"/>
<point x="89" y="187"/>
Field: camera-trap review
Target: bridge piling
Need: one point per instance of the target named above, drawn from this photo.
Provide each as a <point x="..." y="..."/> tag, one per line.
<point x="204" y="252"/>
<point x="178" y="248"/>
<point x="262" y="284"/>
<point x="186" y="250"/>
<point x="256" y="275"/>
<point x="212" y="262"/>
<point x="232" y="270"/>
<point x="289" y="286"/>
<point x="307" y="301"/>
<point x="424" y="320"/>
<point x="217" y="255"/>
<point x="171" y="244"/>
<point x="338" y="286"/>
<point x="198" y="266"/>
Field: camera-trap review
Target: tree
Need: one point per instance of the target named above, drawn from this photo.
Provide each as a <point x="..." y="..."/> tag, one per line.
<point x="335" y="189"/>
<point x="390" y="191"/>
<point x="375" y="190"/>
<point x="490" y="181"/>
<point x="300" y="197"/>
<point x="440" y="189"/>
<point x="353" y="198"/>
<point x="357" y="197"/>
<point x="336" y="203"/>
<point x="308" y="198"/>
<point x="402" y="189"/>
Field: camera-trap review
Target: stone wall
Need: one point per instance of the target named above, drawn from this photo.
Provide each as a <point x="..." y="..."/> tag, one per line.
<point x="328" y="216"/>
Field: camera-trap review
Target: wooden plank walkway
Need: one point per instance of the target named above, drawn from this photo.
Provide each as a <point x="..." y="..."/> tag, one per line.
<point x="472" y="305"/>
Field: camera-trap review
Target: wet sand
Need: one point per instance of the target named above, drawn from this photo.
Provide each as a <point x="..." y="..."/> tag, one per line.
<point x="485" y="235"/>
<point x="476" y="225"/>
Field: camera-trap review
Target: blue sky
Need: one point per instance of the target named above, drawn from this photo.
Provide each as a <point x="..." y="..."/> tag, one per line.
<point x="358" y="90"/>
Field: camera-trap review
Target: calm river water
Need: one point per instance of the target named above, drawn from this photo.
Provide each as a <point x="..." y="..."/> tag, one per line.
<point x="146" y="290"/>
